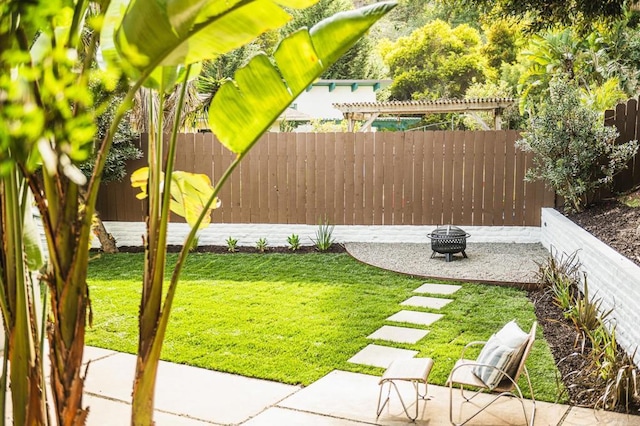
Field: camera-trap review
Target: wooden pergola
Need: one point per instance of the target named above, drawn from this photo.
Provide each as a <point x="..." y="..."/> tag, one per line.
<point x="370" y="111"/>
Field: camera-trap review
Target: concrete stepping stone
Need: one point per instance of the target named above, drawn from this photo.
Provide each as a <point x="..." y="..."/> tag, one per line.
<point x="380" y="356"/>
<point x="437" y="288"/>
<point x="426" y="302"/>
<point x="414" y="317"/>
<point x="398" y="334"/>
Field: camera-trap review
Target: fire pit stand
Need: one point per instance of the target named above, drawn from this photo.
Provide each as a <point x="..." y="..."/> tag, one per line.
<point x="448" y="240"/>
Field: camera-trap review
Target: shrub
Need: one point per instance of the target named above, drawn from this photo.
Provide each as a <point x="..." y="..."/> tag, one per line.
<point x="574" y="152"/>
<point x="232" y="245"/>
<point x="324" y="237"/>
<point x="262" y="245"/>
<point x="294" y="242"/>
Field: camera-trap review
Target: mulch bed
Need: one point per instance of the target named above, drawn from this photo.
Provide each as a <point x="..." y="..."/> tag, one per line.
<point x="335" y="248"/>
<point x="617" y="225"/>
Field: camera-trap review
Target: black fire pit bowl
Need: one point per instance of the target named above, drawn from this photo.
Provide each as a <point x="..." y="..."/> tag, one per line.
<point x="448" y="240"/>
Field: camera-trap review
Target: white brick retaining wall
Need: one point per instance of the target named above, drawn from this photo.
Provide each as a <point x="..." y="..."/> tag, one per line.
<point x="611" y="276"/>
<point x="130" y="233"/>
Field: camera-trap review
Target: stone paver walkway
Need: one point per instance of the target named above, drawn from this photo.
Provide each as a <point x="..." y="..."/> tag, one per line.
<point x="382" y="356"/>
<point x="392" y="333"/>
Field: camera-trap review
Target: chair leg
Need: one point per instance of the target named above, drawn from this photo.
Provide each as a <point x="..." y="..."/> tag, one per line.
<point x="404" y="406"/>
<point x="519" y="396"/>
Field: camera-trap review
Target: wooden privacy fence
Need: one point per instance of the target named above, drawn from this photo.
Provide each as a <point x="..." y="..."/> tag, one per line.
<point x="626" y="118"/>
<point x="385" y="178"/>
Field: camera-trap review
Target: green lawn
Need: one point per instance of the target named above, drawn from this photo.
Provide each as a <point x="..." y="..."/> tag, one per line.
<point x="295" y="318"/>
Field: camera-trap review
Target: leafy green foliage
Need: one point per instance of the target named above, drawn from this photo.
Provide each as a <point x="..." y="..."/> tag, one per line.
<point x="573" y="151"/>
<point x="327" y="306"/>
<point x="293" y="241"/>
<point x="357" y="62"/>
<point x="547" y="13"/>
<point x="123" y="148"/>
<point x="232" y="245"/>
<point x="262" y="245"/>
<point x="600" y="63"/>
<point x="435" y="61"/>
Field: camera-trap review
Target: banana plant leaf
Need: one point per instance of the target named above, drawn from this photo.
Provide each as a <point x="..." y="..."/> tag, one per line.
<point x="189" y="193"/>
<point x="243" y="109"/>
<point x="142" y="35"/>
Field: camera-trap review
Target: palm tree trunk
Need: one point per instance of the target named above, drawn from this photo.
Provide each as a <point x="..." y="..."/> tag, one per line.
<point x="107" y="242"/>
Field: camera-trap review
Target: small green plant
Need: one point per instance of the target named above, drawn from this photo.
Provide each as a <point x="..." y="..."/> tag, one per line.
<point x="262" y="245"/>
<point x="585" y="313"/>
<point x="294" y="242"/>
<point x="194" y="244"/>
<point x="559" y="274"/>
<point x="232" y="245"/>
<point x="324" y="237"/>
<point x="555" y="268"/>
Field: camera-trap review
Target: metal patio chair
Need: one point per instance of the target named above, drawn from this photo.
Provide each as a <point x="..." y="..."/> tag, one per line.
<point x="505" y="377"/>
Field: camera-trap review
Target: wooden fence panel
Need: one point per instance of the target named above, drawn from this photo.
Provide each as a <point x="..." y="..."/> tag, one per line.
<point x="417" y="178"/>
<point x="447" y="178"/>
<point x="509" y="177"/>
<point x="458" y="176"/>
<point x="438" y="164"/>
<point x="499" y="177"/>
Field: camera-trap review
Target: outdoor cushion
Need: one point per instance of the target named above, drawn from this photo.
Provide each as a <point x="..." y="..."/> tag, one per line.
<point x="503" y="351"/>
<point x="511" y="335"/>
<point x="496" y="355"/>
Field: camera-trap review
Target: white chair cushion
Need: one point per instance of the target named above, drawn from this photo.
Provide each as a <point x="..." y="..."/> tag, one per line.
<point x="511" y="335"/>
<point x="493" y="354"/>
<point x="503" y="351"/>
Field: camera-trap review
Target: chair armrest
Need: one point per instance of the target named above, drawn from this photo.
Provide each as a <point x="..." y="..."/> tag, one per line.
<point x="468" y="345"/>
<point x="477" y="364"/>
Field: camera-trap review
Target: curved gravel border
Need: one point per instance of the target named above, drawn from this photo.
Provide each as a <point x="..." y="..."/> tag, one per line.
<point x="497" y="263"/>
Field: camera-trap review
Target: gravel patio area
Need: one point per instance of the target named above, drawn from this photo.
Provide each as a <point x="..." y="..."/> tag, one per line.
<point x="501" y="263"/>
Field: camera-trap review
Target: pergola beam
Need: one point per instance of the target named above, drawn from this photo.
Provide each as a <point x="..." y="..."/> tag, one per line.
<point x="367" y="110"/>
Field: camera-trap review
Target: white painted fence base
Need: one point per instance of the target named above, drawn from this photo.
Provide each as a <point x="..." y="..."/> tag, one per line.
<point x="130" y="233"/>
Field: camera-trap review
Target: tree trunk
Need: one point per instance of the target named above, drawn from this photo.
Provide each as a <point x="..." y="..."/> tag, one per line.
<point x="107" y="242"/>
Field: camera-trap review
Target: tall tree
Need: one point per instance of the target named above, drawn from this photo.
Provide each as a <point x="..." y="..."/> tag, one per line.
<point x="547" y="13"/>
<point x="435" y="61"/>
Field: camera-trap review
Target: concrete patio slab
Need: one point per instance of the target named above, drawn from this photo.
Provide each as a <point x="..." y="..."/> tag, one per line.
<point x="105" y="412"/>
<point x="579" y="416"/>
<point x="287" y="417"/>
<point x="414" y="317"/>
<point x="426" y="302"/>
<point x="436" y="288"/>
<point x="353" y="396"/>
<point x="380" y="356"/>
<point x="398" y="334"/>
<point x="200" y="394"/>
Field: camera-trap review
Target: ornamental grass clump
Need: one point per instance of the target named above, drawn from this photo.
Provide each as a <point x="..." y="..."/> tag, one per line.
<point x="609" y="374"/>
<point x="324" y="237"/>
<point x="574" y="152"/>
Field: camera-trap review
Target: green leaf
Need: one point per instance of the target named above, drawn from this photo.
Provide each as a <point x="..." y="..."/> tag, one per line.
<point x="31" y="241"/>
<point x="189" y="193"/>
<point x="154" y="33"/>
<point x="261" y="92"/>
